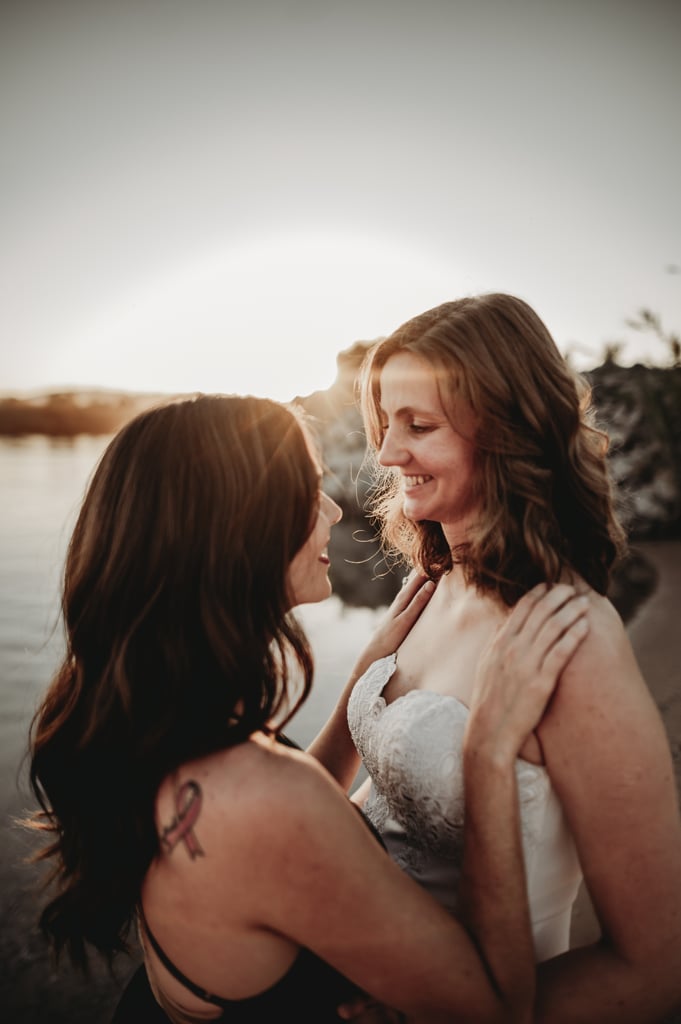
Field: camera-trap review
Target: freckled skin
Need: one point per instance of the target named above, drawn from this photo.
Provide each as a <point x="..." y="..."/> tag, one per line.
<point x="435" y="460"/>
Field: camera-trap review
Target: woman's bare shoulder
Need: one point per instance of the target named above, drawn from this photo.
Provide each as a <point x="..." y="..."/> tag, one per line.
<point x="256" y="785"/>
<point x="213" y="813"/>
<point x="605" y="653"/>
<point x="601" y="692"/>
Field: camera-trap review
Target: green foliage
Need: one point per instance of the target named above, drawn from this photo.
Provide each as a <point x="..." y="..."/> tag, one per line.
<point x="647" y="320"/>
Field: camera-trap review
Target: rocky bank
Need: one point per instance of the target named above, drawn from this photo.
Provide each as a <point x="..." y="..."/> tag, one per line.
<point x="639" y="406"/>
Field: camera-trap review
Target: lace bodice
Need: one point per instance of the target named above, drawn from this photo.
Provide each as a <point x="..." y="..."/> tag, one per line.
<point x="412" y="750"/>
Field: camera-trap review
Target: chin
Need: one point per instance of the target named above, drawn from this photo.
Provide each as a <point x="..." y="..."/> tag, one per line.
<point x="316" y="595"/>
<point x="412" y="513"/>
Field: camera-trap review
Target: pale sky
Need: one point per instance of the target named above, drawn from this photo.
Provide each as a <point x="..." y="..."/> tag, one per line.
<point x="220" y="196"/>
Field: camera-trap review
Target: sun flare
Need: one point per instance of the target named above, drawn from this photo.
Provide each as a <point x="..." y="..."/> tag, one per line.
<point x="267" y="316"/>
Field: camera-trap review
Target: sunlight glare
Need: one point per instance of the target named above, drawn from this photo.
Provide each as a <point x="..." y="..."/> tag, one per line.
<point x="267" y="316"/>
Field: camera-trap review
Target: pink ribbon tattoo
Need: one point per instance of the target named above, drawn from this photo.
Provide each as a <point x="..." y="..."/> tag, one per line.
<point x="188" y="805"/>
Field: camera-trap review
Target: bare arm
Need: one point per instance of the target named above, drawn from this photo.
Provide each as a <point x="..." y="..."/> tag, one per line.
<point x="515" y="681"/>
<point x="610" y="763"/>
<point x="333" y="746"/>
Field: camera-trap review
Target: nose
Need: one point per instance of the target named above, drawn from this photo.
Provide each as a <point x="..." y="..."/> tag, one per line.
<point x="334" y="513"/>
<point x="391" y="453"/>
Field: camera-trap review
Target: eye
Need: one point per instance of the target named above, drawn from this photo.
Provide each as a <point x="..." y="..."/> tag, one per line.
<point x="419" y="428"/>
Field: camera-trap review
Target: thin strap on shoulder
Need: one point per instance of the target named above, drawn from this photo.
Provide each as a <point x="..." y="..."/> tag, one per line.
<point x="286" y="742"/>
<point x="196" y="990"/>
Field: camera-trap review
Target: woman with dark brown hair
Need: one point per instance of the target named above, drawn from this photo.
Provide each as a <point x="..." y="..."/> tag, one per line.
<point x="170" y="797"/>
<point x="492" y="478"/>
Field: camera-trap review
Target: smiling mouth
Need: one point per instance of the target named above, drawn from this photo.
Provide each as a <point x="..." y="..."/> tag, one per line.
<point x="414" y="481"/>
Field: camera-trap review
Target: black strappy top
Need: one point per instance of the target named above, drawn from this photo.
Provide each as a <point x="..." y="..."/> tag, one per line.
<point x="309" y="992"/>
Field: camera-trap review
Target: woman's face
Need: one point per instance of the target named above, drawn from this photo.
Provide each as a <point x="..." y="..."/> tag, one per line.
<point x="308" y="575"/>
<point x="435" y="461"/>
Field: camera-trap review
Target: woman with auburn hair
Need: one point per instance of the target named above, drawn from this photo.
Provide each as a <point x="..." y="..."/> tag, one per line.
<point x="170" y="797"/>
<point x="491" y="478"/>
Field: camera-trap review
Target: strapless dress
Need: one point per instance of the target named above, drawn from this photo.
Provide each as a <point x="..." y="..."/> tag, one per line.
<point x="412" y="750"/>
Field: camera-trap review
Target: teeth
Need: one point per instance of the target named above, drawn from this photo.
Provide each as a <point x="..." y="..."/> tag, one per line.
<point x="412" y="481"/>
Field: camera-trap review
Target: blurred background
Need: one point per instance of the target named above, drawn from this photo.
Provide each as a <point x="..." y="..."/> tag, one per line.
<point x="231" y="196"/>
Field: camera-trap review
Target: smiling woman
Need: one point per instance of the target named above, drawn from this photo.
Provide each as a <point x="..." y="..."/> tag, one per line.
<point x="265" y="316"/>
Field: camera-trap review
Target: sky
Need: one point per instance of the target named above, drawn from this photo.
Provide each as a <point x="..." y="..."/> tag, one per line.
<point x="221" y="196"/>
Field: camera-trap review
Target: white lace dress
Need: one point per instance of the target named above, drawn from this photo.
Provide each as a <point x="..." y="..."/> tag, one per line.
<point x="412" y="750"/>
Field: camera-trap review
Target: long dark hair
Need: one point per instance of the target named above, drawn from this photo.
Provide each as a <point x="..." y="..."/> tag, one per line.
<point x="544" y="492"/>
<point x="179" y="639"/>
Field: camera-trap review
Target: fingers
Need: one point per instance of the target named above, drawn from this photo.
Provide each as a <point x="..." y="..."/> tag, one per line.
<point x="553" y="614"/>
<point x="533" y="638"/>
<point x="524" y="606"/>
<point x="537" y="606"/>
<point x="412" y="598"/>
<point x="552" y="631"/>
<point x="560" y="652"/>
<point x="411" y="586"/>
<point x="553" y="650"/>
<point x="518" y="673"/>
<point x="397" y="622"/>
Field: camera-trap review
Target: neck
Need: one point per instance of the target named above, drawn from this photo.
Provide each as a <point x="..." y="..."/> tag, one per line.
<point x="453" y="583"/>
<point x="456" y="533"/>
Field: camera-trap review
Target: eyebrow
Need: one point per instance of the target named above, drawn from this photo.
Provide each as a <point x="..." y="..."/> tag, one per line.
<point x="410" y="410"/>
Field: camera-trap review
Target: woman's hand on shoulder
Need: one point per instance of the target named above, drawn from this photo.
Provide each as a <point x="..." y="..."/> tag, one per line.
<point x="521" y="666"/>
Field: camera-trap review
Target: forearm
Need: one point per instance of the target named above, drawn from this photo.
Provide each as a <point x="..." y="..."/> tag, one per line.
<point x="595" y="983"/>
<point x="515" y="678"/>
<point x="493" y="887"/>
<point x="333" y="746"/>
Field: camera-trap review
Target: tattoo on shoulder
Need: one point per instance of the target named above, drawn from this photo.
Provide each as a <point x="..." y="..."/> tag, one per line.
<point x="181" y="829"/>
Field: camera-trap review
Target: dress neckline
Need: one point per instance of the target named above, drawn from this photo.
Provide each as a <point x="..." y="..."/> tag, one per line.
<point x="383" y="668"/>
<point x="390" y="662"/>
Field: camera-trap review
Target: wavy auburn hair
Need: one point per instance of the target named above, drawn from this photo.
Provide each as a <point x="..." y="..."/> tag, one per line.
<point x="544" y="494"/>
<point x="179" y="639"/>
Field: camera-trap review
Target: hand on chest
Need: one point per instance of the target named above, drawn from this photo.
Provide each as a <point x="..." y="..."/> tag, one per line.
<point x="442" y="651"/>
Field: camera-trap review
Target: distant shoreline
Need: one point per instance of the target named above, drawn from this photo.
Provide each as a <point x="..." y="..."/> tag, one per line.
<point x="70" y="413"/>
